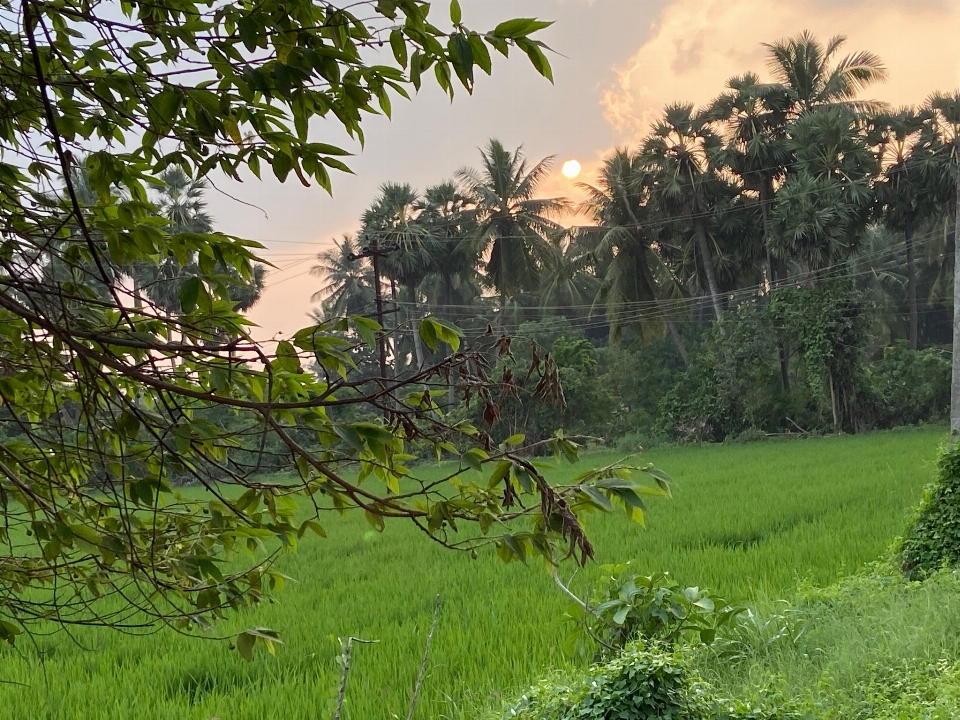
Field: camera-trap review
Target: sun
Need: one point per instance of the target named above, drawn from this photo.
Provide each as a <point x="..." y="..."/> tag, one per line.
<point x="571" y="168"/>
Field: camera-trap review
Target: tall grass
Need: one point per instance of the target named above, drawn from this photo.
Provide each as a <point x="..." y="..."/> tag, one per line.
<point x="746" y="521"/>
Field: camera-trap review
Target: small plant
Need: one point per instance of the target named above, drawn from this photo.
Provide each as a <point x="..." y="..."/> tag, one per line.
<point x="625" y="606"/>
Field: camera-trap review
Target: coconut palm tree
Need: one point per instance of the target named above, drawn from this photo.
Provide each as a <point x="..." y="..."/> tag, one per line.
<point x="513" y="225"/>
<point x="634" y="277"/>
<point x="348" y="288"/>
<point x="452" y="283"/>
<point x="392" y="221"/>
<point x="681" y="160"/>
<point x="802" y="66"/>
<point x="568" y="282"/>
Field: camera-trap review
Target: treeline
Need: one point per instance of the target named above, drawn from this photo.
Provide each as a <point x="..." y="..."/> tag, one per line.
<point x="779" y="260"/>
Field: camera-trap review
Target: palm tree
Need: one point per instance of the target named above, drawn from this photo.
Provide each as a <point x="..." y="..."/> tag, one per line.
<point x="753" y="120"/>
<point x="392" y="221"/>
<point x="903" y="193"/>
<point x="567" y="280"/>
<point x="802" y="65"/>
<point x="942" y="137"/>
<point x="247" y="293"/>
<point x="513" y="225"/>
<point x="348" y="288"/>
<point x="824" y="205"/>
<point x="682" y="158"/>
<point x="452" y="283"/>
<point x="180" y="201"/>
<point x="634" y="277"/>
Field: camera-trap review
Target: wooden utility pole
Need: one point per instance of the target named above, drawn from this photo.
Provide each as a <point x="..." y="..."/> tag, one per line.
<point x="375" y="252"/>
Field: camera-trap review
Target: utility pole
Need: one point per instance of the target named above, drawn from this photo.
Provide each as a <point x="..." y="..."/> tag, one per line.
<point x="375" y="252"/>
<point x="955" y="380"/>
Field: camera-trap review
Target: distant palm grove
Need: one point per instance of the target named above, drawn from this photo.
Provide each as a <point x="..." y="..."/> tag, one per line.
<point x="778" y="261"/>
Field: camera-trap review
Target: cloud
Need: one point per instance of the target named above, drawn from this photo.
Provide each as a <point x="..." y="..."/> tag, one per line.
<point x="694" y="46"/>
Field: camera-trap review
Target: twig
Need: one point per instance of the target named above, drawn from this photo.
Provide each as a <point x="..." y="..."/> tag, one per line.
<point x="426" y="657"/>
<point x="805" y="432"/>
<point x="346" y="669"/>
<point x="568" y="591"/>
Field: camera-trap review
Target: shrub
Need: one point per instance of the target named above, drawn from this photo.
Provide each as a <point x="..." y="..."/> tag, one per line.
<point x="932" y="539"/>
<point x="645" y="681"/>
<point x="910" y="386"/>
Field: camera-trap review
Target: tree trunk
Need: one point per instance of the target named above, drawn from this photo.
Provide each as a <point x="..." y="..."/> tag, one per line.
<point x="911" y="284"/>
<point x="706" y="257"/>
<point x="955" y="381"/>
<point x="137" y="298"/>
<point x="833" y="404"/>
<point x="769" y="270"/>
<point x="678" y="341"/>
<point x="415" y="325"/>
<point x="765" y="198"/>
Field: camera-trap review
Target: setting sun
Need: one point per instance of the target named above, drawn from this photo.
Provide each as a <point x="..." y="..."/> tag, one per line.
<point x="571" y="168"/>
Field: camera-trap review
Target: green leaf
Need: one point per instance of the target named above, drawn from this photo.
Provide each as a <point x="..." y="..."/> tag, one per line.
<point x="461" y="56"/>
<point x="474" y="457"/>
<point x="537" y="58"/>
<point x="189" y="293"/>
<point x="515" y="440"/>
<point x="456" y="15"/>
<point x="432" y="331"/>
<point x="287" y="359"/>
<point x="399" y="46"/>
<point x="519" y="27"/>
<point x="481" y="56"/>
<point x="367" y="329"/>
<point x="375" y="521"/>
<point x="516" y="547"/>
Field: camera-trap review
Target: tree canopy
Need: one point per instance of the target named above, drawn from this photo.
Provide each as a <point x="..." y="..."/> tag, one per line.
<point x="109" y="399"/>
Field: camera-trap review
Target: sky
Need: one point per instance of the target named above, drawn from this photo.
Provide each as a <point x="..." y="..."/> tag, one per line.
<point x="616" y="64"/>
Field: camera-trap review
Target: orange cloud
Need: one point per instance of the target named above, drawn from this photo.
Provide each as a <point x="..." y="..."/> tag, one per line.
<point x="696" y="45"/>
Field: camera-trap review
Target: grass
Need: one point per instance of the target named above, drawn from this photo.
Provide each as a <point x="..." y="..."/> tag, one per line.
<point x="873" y="645"/>
<point x="747" y="521"/>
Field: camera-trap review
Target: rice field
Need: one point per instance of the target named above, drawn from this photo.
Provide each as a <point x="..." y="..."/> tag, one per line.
<point x="746" y="521"/>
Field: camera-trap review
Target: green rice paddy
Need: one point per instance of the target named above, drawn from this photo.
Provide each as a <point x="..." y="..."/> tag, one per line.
<point x="746" y="521"/>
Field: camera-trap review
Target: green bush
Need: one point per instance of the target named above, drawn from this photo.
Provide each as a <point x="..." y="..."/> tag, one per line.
<point x="932" y="539"/>
<point x="910" y="386"/>
<point x="644" y="682"/>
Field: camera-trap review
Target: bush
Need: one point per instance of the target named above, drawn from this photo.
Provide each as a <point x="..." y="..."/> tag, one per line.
<point x="910" y="386"/>
<point x="645" y="681"/>
<point x="932" y="539"/>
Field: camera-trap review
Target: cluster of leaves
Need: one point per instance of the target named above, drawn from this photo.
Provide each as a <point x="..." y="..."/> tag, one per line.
<point x="932" y="540"/>
<point x="646" y="680"/>
<point x="910" y="386"/>
<point x="624" y="606"/>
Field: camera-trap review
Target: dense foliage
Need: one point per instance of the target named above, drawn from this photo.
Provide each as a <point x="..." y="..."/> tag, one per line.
<point x="126" y="365"/>
<point x="932" y="540"/>
<point x="742" y="271"/>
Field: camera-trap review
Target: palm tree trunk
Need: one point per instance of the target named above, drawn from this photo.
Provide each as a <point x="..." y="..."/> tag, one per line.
<point x="771" y="269"/>
<point x="911" y="284"/>
<point x="678" y="341"/>
<point x="706" y="257"/>
<point x="415" y="325"/>
<point x="137" y="297"/>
